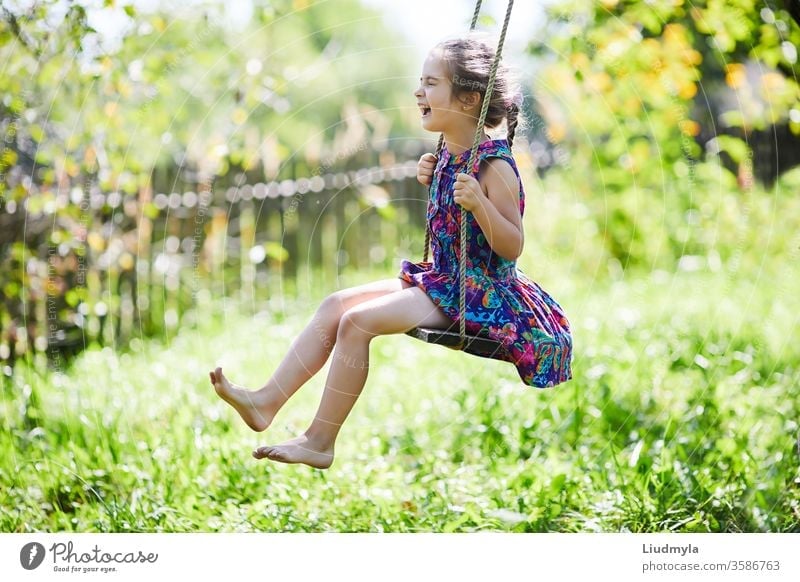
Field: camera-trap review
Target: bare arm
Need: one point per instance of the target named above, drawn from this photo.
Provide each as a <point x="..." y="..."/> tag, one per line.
<point x="498" y="213"/>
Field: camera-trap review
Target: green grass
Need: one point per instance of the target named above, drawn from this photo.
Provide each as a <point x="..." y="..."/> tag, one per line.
<point x="682" y="416"/>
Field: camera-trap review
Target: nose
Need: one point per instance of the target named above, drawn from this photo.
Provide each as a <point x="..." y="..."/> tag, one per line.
<point x="418" y="91"/>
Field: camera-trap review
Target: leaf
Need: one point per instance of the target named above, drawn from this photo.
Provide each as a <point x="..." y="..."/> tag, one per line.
<point x="72" y="297"/>
<point x="557" y="484"/>
<point x="735" y="118"/>
<point x="276" y="251"/>
<point x="736" y="147"/>
<point x="11" y="289"/>
<point x="727" y="446"/>
<point x="150" y="210"/>
<point x="535" y="514"/>
<point x="451" y="526"/>
<point x="36" y="131"/>
<point x="387" y="212"/>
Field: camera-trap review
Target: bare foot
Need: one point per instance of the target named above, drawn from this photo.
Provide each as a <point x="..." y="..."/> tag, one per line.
<point x="255" y="407"/>
<point x="297" y="450"/>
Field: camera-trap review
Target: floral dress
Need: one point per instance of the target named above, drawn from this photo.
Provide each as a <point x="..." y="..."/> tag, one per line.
<point x="502" y="303"/>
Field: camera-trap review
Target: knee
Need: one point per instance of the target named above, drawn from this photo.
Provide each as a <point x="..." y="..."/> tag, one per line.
<point x="331" y="307"/>
<point x="355" y="323"/>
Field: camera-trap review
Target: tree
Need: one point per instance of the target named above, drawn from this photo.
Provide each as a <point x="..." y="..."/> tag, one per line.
<point x="88" y="120"/>
<point x="636" y="97"/>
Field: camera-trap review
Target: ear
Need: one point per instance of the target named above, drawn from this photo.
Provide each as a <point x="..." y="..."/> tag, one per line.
<point x="471" y="99"/>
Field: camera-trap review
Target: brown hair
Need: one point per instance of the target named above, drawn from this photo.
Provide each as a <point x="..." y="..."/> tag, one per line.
<point x="469" y="61"/>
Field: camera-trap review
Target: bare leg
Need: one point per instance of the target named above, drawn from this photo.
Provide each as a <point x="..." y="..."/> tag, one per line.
<point x="306" y="356"/>
<point x="394" y="313"/>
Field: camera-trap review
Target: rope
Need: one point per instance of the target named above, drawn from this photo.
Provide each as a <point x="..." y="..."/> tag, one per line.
<point x="462" y="262"/>
<point x="475" y="14"/>
<point x="472" y="25"/>
<point x="428" y="226"/>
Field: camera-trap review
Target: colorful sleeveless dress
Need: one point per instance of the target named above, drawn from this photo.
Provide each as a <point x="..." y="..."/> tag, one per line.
<point x="502" y="303"/>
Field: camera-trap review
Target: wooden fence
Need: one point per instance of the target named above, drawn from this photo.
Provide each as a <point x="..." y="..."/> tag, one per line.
<point x="137" y="263"/>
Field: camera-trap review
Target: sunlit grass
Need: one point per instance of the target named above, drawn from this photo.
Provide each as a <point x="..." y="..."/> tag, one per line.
<point x="682" y="415"/>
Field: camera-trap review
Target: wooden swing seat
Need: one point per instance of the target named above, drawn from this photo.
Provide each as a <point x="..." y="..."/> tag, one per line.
<point x="476" y="345"/>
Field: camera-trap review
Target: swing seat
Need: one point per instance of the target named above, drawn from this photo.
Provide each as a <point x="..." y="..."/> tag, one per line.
<point x="476" y="345"/>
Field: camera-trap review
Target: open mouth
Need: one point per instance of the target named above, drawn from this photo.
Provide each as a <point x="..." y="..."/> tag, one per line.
<point x="426" y="111"/>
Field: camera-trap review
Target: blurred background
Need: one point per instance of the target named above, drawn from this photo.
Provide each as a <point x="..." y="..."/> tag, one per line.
<point x="154" y="150"/>
<point x="166" y="163"/>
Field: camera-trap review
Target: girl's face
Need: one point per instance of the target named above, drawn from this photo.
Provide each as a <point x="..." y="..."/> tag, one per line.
<point x="440" y="110"/>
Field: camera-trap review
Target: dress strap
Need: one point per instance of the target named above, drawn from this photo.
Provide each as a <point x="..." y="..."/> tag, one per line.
<point x="502" y="151"/>
<point x="499" y="149"/>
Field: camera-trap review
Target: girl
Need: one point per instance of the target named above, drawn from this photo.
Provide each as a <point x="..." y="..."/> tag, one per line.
<point x="501" y="301"/>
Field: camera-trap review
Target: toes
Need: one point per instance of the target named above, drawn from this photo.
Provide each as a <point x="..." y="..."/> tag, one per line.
<point x="221" y="379"/>
<point x="272" y="453"/>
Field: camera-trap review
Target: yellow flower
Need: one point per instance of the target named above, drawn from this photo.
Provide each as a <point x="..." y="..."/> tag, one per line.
<point x="735" y="75"/>
<point x="689" y="127"/>
<point x="687" y="90"/>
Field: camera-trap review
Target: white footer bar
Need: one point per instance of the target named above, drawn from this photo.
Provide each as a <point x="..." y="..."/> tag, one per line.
<point x="388" y="557"/>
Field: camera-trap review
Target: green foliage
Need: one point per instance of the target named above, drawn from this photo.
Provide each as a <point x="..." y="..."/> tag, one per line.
<point x="635" y="86"/>
<point x="186" y="88"/>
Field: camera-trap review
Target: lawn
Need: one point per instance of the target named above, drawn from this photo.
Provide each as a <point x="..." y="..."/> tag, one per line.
<point x="682" y="415"/>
